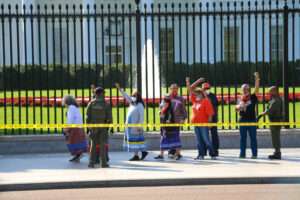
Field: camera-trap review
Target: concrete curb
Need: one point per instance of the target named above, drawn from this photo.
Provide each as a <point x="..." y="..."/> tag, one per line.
<point x="150" y="182"/>
<point x="28" y="144"/>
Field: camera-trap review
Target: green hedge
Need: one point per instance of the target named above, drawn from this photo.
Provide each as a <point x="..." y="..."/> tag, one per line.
<point x="57" y="77"/>
<point x="223" y="74"/>
<point x="219" y="74"/>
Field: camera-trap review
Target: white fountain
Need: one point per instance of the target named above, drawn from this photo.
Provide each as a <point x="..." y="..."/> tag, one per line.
<point x="149" y="58"/>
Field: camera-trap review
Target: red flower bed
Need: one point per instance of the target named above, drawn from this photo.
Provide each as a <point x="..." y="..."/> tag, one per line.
<point x="51" y="101"/>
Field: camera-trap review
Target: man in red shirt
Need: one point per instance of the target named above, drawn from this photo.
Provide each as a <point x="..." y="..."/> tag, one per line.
<point x="202" y="112"/>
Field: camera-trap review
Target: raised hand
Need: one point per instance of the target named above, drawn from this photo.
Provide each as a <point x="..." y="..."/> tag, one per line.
<point x="257" y="82"/>
<point x="187" y="80"/>
<point x="201" y="80"/>
<point x="256" y="75"/>
<point x="117" y="85"/>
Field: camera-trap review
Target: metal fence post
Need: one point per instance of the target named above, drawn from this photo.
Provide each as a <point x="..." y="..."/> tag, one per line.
<point x="285" y="66"/>
<point x="138" y="47"/>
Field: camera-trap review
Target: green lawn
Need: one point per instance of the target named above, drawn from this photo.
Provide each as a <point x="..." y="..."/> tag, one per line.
<point x="57" y="115"/>
<point x="113" y="92"/>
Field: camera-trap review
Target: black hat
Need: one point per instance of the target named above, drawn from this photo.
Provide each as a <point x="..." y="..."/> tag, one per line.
<point x="99" y="91"/>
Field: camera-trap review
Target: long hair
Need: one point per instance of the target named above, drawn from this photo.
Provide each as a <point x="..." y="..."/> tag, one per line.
<point x="166" y="100"/>
<point x="69" y="100"/>
<point x="139" y="98"/>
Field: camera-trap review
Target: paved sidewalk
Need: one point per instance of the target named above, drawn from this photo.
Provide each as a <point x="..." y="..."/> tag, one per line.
<point x="53" y="171"/>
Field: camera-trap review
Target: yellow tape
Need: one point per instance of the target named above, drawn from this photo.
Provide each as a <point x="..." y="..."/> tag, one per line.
<point x="60" y="126"/>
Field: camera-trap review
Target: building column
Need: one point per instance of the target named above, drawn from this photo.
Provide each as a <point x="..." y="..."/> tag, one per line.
<point x="89" y="44"/>
<point x="150" y="52"/>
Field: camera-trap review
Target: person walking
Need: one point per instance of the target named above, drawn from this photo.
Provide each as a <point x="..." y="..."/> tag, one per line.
<point x="247" y="110"/>
<point x="134" y="140"/>
<point x="275" y="114"/>
<point x="98" y="112"/>
<point x="202" y="112"/>
<point x="75" y="137"/>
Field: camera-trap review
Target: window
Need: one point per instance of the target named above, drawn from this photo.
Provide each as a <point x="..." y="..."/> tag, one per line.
<point x="166" y="39"/>
<point x="231" y="44"/>
<point x="114" y="28"/>
<point x="61" y="46"/>
<point x="276" y="43"/>
<point x="114" y="53"/>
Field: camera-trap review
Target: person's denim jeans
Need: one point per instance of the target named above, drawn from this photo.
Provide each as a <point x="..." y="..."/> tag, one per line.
<point x="243" y="140"/>
<point x="203" y="141"/>
<point x="214" y="137"/>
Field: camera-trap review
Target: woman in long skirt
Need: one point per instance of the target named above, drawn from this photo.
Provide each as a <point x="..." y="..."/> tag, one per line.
<point x="134" y="140"/>
<point x="75" y="137"/>
<point x="170" y="138"/>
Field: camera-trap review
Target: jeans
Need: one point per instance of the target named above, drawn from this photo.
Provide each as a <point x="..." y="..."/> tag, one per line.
<point x="214" y="137"/>
<point x="203" y="141"/>
<point x="243" y="140"/>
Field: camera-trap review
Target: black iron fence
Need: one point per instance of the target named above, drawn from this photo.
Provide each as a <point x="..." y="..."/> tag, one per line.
<point x="48" y="51"/>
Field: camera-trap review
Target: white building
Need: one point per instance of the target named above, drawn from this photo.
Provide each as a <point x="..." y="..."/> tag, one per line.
<point x="175" y="40"/>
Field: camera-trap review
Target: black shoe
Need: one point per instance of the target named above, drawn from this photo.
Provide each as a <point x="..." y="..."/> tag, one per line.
<point x="159" y="157"/>
<point x="213" y="157"/>
<point x="76" y="158"/>
<point x="254" y="157"/>
<point x="217" y="153"/>
<point x="178" y="157"/>
<point x="134" y="158"/>
<point x="91" y="165"/>
<point x="242" y="157"/>
<point x="199" y="158"/>
<point x="144" y="155"/>
<point x="275" y="156"/>
<point x="105" y="166"/>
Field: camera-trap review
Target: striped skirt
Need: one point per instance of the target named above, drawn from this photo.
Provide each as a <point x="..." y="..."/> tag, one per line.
<point x="76" y="141"/>
<point x="170" y="138"/>
<point x="134" y="140"/>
